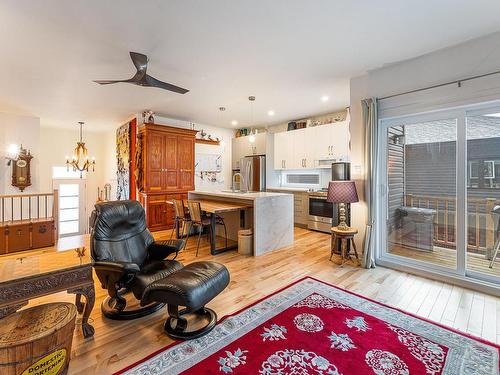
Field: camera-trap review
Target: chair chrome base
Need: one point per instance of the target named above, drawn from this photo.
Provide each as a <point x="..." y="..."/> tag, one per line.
<point x="176" y="324"/>
<point x="110" y="310"/>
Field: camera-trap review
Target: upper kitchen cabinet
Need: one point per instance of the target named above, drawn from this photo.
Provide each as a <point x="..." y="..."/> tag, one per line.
<point x="242" y="147"/>
<point x="331" y="143"/>
<point x="314" y="147"/>
<point x="283" y="150"/>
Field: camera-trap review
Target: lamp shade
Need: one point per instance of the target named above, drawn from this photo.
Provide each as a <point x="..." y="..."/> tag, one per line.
<point x="342" y="192"/>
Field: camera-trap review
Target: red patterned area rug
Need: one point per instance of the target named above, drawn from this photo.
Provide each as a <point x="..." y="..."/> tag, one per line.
<point x="311" y="327"/>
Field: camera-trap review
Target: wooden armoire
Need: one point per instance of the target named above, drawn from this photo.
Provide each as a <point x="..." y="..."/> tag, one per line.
<point x="167" y="171"/>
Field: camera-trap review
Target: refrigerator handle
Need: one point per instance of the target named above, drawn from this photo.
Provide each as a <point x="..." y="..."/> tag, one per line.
<point x="249" y="175"/>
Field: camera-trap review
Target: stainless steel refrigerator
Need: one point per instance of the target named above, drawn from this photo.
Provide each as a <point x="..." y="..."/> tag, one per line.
<point x="253" y="173"/>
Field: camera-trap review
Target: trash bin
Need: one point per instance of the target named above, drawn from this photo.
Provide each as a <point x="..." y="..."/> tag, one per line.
<point x="245" y="242"/>
<point x="416" y="229"/>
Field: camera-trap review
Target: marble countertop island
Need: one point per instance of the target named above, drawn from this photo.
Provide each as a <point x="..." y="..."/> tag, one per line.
<point x="270" y="216"/>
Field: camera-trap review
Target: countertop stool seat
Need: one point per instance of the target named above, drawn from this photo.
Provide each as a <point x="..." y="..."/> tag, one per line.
<point x="344" y="236"/>
<point x="191" y="287"/>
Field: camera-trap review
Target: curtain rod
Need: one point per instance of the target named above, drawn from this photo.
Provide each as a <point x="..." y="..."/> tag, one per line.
<point x="458" y="82"/>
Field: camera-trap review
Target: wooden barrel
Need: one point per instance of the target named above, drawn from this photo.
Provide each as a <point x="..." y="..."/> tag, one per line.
<point x="37" y="340"/>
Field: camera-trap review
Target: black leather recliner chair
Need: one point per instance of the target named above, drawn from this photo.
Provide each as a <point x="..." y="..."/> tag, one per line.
<point x="126" y="257"/>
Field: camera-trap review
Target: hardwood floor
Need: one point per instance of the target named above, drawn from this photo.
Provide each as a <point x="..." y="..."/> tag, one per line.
<point x="117" y="344"/>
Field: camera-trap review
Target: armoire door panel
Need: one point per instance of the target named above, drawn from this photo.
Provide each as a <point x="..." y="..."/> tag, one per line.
<point x="171" y="180"/>
<point x="155" y="160"/>
<point x="186" y="162"/>
<point x="171" y="152"/>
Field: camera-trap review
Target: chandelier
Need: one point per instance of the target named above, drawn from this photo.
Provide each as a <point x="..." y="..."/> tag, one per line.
<point x="80" y="160"/>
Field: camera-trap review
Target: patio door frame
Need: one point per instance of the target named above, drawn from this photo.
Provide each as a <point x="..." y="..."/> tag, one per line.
<point x="383" y="257"/>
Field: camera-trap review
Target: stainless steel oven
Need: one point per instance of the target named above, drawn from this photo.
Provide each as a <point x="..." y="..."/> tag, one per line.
<point x="320" y="213"/>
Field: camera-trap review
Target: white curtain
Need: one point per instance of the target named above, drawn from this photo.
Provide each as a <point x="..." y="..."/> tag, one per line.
<point x="370" y="122"/>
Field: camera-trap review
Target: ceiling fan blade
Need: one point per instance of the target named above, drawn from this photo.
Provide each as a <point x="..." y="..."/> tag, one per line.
<point x="108" y="82"/>
<point x="153" y="82"/>
<point x="140" y="61"/>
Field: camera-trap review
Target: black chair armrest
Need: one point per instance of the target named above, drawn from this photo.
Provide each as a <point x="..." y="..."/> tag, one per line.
<point x="159" y="250"/>
<point x="118" y="267"/>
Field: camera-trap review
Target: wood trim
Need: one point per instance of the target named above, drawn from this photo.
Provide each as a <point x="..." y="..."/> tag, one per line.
<point x="207" y="142"/>
<point x="132" y="151"/>
<point x="169" y="129"/>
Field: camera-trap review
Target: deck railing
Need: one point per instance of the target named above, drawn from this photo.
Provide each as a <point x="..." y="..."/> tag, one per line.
<point x="480" y="223"/>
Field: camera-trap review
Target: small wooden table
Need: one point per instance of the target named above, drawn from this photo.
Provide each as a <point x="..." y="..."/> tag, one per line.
<point x="24" y="277"/>
<point x="344" y="236"/>
<point x="214" y="207"/>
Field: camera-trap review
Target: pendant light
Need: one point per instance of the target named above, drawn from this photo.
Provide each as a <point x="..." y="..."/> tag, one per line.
<point x="251" y="139"/>
<point x="221" y="110"/>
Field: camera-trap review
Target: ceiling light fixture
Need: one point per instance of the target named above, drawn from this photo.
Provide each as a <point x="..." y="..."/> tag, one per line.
<point x="80" y="160"/>
<point x="234" y="122"/>
<point x="324" y="98"/>
<point x="270" y="112"/>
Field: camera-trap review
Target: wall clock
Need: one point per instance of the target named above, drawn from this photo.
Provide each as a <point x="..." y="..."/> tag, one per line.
<point x="21" y="175"/>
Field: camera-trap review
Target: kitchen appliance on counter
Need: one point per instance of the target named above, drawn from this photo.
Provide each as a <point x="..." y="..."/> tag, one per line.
<point x="321" y="212"/>
<point x="253" y="173"/>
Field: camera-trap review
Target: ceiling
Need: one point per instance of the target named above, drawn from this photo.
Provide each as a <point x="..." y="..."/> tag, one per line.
<point x="288" y="53"/>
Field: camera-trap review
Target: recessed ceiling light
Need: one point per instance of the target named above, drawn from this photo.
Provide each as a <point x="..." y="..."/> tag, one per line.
<point x="234" y="122"/>
<point x="270" y="112"/>
<point x="324" y="98"/>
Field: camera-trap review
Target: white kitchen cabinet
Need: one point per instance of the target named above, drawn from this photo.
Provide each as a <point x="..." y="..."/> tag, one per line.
<point x="314" y="147"/>
<point x="300" y="148"/>
<point x="283" y="150"/>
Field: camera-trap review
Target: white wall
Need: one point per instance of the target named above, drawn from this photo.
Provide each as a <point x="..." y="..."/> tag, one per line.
<point x="471" y="58"/>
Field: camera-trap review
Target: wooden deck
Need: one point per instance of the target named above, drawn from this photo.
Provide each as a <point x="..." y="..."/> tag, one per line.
<point x="448" y="258"/>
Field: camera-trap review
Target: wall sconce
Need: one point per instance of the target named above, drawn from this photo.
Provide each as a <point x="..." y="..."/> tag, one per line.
<point x="12" y="154"/>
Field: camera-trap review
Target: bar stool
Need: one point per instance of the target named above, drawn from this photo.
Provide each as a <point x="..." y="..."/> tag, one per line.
<point x="181" y="217"/>
<point x="344" y="236"/>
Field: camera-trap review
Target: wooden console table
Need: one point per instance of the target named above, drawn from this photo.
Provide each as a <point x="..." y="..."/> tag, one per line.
<point x="30" y="276"/>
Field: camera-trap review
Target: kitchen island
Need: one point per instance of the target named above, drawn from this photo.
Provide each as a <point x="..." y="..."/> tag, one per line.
<point x="269" y="215"/>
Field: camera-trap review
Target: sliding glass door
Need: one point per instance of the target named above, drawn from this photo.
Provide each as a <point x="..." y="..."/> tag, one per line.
<point x="483" y="192"/>
<point x="439" y="184"/>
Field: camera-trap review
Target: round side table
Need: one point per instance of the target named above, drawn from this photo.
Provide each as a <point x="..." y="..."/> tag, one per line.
<point x="344" y="236"/>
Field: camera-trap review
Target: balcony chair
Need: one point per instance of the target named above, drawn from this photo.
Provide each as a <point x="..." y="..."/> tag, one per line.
<point x="496" y="212"/>
<point x="127" y="258"/>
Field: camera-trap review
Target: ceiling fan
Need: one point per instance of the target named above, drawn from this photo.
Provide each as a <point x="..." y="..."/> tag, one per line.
<point x="142" y="79"/>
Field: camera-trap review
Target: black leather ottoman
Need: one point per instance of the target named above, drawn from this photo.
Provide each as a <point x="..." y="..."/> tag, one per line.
<point x="191" y="287"/>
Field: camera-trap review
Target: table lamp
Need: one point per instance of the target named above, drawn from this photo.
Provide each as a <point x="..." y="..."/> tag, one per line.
<point x="342" y="192"/>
